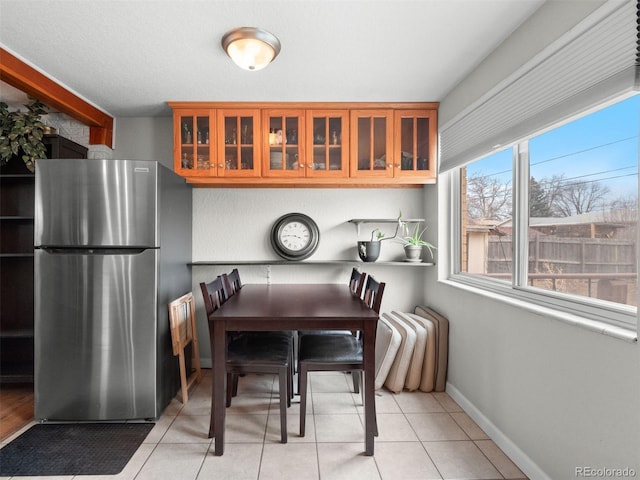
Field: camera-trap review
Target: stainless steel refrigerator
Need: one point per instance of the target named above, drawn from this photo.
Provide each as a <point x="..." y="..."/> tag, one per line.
<point x="113" y="244"/>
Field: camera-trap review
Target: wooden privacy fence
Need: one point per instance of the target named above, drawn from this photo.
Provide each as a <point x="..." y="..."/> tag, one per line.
<point x="566" y="255"/>
<point x="608" y="263"/>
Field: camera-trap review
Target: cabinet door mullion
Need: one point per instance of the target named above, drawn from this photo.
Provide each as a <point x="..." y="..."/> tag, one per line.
<point x="420" y="161"/>
<point x="378" y="161"/>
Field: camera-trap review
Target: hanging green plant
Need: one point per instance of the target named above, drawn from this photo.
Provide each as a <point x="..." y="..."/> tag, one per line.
<point x="21" y="133"/>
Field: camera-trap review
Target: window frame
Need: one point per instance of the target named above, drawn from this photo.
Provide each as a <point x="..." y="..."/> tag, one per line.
<point x="617" y="320"/>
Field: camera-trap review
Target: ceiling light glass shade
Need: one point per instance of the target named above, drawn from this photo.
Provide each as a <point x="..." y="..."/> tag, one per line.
<point x="251" y="48"/>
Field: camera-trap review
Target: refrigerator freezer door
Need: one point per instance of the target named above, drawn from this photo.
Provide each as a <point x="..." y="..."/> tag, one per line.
<point x="95" y="335"/>
<point x="96" y="203"/>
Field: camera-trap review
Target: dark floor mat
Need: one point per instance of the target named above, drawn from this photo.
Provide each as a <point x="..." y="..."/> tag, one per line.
<point x="72" y="449"/>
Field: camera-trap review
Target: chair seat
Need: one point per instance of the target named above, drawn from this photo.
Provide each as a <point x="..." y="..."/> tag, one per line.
<point x="330" y="348"/>
<point x="233" y="335"/>
<point x="324" y="332"/>
<point x="259" y="349"/>
<point x="288" y="334"/>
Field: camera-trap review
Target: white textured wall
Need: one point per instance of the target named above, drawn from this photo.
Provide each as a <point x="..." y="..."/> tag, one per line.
<point x="77" y="132"/>
<point x="67" y="127"/>
<point x="554" y="396"/>
<point x="142" y="138"/>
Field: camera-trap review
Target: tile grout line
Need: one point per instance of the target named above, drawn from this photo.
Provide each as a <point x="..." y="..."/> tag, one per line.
<point x="422" y="444"/>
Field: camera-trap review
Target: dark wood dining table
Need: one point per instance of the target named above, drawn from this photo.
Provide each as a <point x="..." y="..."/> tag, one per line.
<point x="262" y="307"/>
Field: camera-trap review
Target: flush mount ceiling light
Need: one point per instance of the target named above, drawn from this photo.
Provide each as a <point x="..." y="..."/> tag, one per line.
<point x="251" y="48"/>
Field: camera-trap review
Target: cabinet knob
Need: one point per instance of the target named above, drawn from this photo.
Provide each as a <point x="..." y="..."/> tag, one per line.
<point x="221" y="165"/>
<point x="389" y="165"/>
<point x="397" y="165"/>
<point x="310" y="165"/>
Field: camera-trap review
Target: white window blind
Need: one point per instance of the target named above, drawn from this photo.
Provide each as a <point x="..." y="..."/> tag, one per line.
<point x="595" y="61"/>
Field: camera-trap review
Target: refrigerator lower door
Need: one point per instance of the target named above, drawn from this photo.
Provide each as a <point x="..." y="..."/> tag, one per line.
<point x="95" y="334"/>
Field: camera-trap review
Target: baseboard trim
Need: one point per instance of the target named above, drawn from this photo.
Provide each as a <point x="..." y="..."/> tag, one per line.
<point x="521" y="459"/>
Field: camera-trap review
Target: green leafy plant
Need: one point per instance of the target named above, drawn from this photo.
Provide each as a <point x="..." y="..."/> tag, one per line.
<point x="414" y="238"/>
<point x="21" y="133"/>
<point x="377" y="235"/>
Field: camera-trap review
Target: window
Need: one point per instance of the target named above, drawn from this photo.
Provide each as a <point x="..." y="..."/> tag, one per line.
<point x="486" y="203"/>
<point x="554" y="218"/>
<point x="583" y="206"/>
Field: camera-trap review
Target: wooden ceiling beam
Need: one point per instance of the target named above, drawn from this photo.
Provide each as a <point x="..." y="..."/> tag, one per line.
<point x="24" y="77"/>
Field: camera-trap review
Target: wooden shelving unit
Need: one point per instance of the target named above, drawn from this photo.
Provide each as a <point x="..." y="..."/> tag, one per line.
<point x="17" y="199"/>
<point x="17" y="192"/>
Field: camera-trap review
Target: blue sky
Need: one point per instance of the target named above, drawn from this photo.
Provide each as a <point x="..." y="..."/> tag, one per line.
<point x="600" y="147"/>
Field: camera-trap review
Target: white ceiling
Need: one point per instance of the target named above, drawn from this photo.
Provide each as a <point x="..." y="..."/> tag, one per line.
<point x="129" y="58"/>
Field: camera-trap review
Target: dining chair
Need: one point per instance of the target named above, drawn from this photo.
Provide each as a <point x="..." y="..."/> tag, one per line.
<point x="322" y="352"/>
<point x="182" y="323"/>
<point x="250" y="354"/>
<point x="356" y="285"/>
<point x="232" y="284"/>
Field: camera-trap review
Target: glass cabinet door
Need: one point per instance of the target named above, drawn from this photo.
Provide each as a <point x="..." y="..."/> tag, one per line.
<point x="237" y="146"/>
<point x="193" y="143"/>
<point x="371" y="141"/>
<point x="283" y="135"/>
<point x="326" y="152"/>
<point x="415" y="143"/>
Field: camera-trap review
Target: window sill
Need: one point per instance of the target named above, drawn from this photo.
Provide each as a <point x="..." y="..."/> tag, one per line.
<point x="621" y="333"/>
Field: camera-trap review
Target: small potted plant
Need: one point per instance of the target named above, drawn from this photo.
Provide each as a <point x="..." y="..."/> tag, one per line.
<point x="21" y="134"/>
<point x="369" y="250"/>
<point x="413" y="243"/>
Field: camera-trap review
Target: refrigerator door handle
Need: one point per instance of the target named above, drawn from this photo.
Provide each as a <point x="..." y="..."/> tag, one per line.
<point x="94" y="251"/>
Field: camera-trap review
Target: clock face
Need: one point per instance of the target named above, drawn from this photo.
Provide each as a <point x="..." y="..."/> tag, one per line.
<point x="295" y="236"/>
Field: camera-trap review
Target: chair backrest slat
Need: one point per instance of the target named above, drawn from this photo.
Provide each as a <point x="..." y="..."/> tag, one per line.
<point x="213" y="294"/>
<point x="356" y="283"/>
<point x="231" y="282"/>
<point x="373" y="293"/>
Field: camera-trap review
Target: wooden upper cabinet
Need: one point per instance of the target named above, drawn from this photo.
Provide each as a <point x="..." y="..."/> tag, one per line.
<point x="300" y="143"/>
<point x="371" y="143"/>
<point x="194" y="137"/>
<point x="283" y="136"/>
<point x="305" y="143"/>
<point x="216" y="143"/>
<point x="238" y="150"/>
<point x="327" y="146"/>
<point x="414" y="143"/>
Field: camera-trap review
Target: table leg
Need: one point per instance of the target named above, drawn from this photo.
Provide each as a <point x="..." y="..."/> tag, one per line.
<point x="219" y="377"/>
<point x="369" y="358"/>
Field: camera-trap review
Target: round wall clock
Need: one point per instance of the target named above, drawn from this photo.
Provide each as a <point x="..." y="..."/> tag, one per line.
<point x="295" y="236"/>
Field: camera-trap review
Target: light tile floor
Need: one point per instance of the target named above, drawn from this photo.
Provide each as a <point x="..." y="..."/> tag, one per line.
<point x="421" y="436"/>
